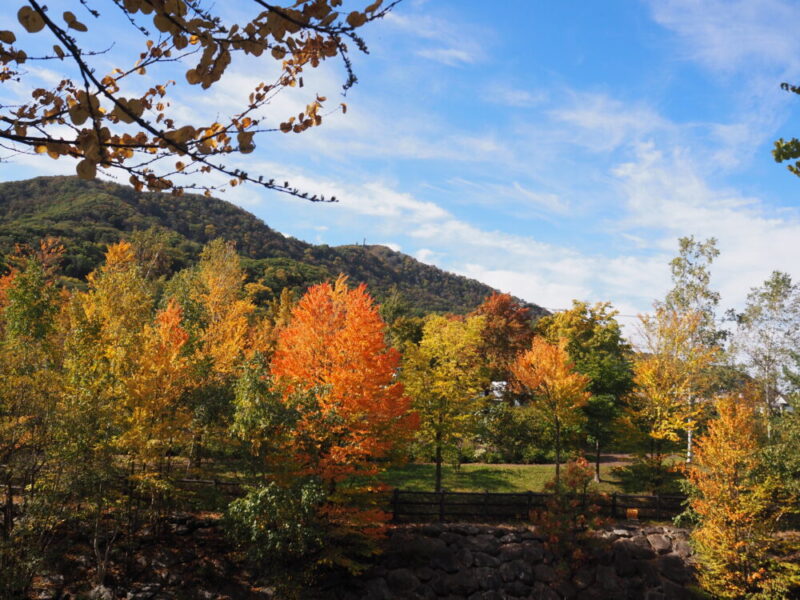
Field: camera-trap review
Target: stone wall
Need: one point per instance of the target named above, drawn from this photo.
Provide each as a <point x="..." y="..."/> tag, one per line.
<point x="492" y="563"/>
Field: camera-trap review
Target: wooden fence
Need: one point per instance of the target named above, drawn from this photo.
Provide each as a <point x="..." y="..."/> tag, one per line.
<point x="408" y="506"/>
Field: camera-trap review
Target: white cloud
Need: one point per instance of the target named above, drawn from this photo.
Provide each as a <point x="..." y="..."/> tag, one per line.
<point x="512" y="198"/>
<point x="501" y="93"/>
<point x="667" y="198"/>
<point x="448" y="43"/>
<point x="392" y="246"/>
<point x="425" y="255"/>
<point x="451" y="57"/>
<point x="604" y="124"/>
<point x="728" y="35"/>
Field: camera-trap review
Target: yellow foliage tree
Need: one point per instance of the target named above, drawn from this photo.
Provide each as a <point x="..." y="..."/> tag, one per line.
<point x="670" y="375"/>
<point x="154" y="418"/>
<point x="227" y="319"/>
<point x="734" y="503"/>
<point x="445" y="377"/>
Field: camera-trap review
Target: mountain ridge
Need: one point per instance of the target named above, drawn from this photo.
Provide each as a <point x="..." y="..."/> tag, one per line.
<point x="89" y="215"/>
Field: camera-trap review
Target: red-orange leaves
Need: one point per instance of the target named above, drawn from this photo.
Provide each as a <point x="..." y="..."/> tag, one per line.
<point x="335" y="345"/>
<point x="507" y="332"/>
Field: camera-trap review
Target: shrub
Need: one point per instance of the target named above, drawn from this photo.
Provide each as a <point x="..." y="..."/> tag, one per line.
<point x="278" y="524"/>
<point x="648" y="474"/>
<point x="571" y="513"/>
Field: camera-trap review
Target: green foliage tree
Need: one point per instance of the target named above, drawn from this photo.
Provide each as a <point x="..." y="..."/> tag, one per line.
<point x="598" y="350"/>
<point x="788" y="150"/>
<point x="768" y="331"/>
<point x="691" y="281"/>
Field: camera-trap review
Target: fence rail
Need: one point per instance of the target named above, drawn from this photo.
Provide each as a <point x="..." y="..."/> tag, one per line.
<point x="411" y="506"/>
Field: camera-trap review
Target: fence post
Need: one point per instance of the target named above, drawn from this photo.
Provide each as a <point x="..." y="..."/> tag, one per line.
<point x="395" y="500"/>
<point x="614" y="505"/>
<point x="441" y="506"/>
<point x="658" y="507"/>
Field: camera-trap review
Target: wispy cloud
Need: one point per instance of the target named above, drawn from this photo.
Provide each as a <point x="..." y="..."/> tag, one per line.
<point x="503" y="94"/>
<point x="729" y="35"/>
<point x="444" y="41"/>
<point x="510" y="197"/>
<point x="606" y="123"/>
<point x="451" y="57"/>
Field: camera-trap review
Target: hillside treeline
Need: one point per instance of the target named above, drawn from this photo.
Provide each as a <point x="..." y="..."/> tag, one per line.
<point x="88" y="215"/>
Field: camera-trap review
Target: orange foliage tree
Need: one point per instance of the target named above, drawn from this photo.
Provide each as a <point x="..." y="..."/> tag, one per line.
<point x="558" y="390"/>
<point x="335" y="346"/>
<point x="507" y="332"/>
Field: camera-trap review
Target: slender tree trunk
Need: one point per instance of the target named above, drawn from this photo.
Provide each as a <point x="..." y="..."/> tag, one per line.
<point x="558" y="456"/>
<point x="689" y="447"/>
<point x="8" y="511"/>
<point x="438" y="459"/>
<point x="597" y="460"/>
<point x="689" y="436"/>
<point x="195" y="458"/>
<point x="659" y="468"/>
<point x="769" y="410"/>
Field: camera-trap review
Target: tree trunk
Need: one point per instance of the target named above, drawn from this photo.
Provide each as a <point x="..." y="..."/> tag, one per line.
<point x="597" y="460"/>
<point x="689" y="437"/>
<point x="558" y="456"/>
<point x="689" y="448"/>
<point x="8" y="511"/>
<point x="438" y="485"/>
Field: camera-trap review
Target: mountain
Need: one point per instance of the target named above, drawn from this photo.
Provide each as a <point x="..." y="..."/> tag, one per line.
<point x="89" y="215"/>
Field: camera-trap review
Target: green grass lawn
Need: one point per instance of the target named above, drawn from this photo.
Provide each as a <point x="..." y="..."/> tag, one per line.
<point x="484" y="477"/>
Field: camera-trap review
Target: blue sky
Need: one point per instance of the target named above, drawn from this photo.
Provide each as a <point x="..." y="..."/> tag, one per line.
<point x="555" y="150"/>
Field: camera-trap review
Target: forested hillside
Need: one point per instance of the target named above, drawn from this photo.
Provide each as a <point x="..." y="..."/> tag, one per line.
<point x="88" y="215"/>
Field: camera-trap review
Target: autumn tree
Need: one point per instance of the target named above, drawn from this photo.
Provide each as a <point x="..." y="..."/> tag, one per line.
<point x="734" y="502"/>
<point x="334" y="346"/>
<point x="155" y="417"/>
<point x="598" y="350"/>
<point x="123" y="117"/>
<point x="445" y="376"/>
<point x="558" y="392"/>
<point x="691" y="294"/>
<point x="30" y="387"/>
<point x="104" y="342"/>
<point x="671" y="368"/>
<point x="507" y="331"/>
<point x="691" y="286"/>
<point x="223" y="331"/>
